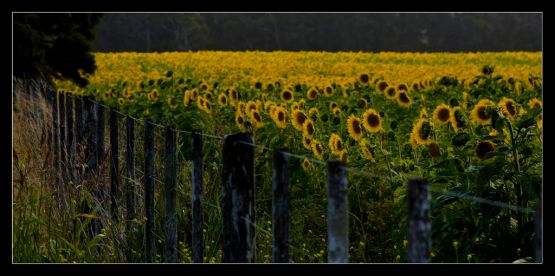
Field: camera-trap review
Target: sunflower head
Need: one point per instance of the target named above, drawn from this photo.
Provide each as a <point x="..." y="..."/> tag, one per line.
<point x="222" y="100"/>
<point x="172" y="102"/>
<point x="442" y="114"/>
<point x="354" y="127"/>
<point x="336" y="144"/>
<point x="307" y="142"/>
<point x="403" y="99"/>
<point x="508" y="108"/>
<point x="239" y="119"/>
<point x="391" y="93"/>
<point x="372" y="121"/>
<point x="299" y="117"/>
<point x="363" y="78"/>
<point x="366" y="152"/>
<point x="287" y="95"/>
<point x="421" y="133"/>
<point x="483" y="112"/>
<point x="308" y="128"/>
<point x="256" y="119"/>
<point x="483" y="148"/>
<point x="328" y="91"/>
<point x="312" y="93"/>
<point x="318" y="149"/>
<point x="535" y="103"/>
<point x="382" y="85"/>
<point x="121" y="101"/>
<point x="403" y="87"/>
<point x="458" y="120"/>
<point x="306" y="164"/>
<point x="279" y="116"/>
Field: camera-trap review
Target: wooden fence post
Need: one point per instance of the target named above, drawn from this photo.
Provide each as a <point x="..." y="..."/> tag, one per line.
<point x="114" y="164"/>
<point x="55" y="132"/>
<point x="63" y="137"/>
<point x="238" y="209"/>
<point x="338" y="221"/>
<point x="538" y="221"/>
<point x="198" y="199"/>
<point x="100" y="133"/>
<point x="130" y="170"/>
<point x="419" y="227"/>
<point x="150" y="250"/>
<point x="69" y="146"/>
<point x="170" y="250"/>
<point x="89" y="134"/>
<point x="78" y="121"/>
<point x="280" y="207"/>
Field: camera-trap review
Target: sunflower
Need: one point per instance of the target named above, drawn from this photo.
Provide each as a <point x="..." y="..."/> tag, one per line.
<point x="239" y="119"/>
<point x="250" y="106"/>
<point x="336" y="111"/>
<point x="194" y="94"/>
<point x="343" y="155"/>
<point x="372" y="120"/>
<point x="403" y="99"/>
<point x="172" y="103"/>
<point x="535" y="103"/>
<point x="482" y="112"/>
<point x="306" y="164"/>
<point x="200" y="103"/>
<point x="152" y="96"/>
<point x="318" y="150"/>
<point x="301" y="103"/>
<point x="415" y="86"/>
<point x="121" y="101"/>
<point x="222" y="100"/>
<point x="382" y="85"/>
<point x="457" y="120"/>
<point x="442" y="114"/>
<point x="483" y="148"/>
<point x="354" y="127"/>
<point x="241" y="107"/>
<point x="294" y="106"/>
<point x="421" y="133"/>
<point x="279" y="115"/>
<point x="403" y="87"/>
<point x="333" y="105"/>
<point x="367" y="153"/>
<point x="362" y="102"/>
<point x="208" y="96"/>
<point x="298" y="119"/>
<point x="307" y="142"/>
<point x="187" y="98"/>
<point x="203" y="86"/>
<point x="287" y="95"/>
<point x="312" y="93"/>
<point x="363" y="78"/>
<point x="233" y="95"/>
<point x="335" y="144"/>
<point x="308" y="128"/>
<point x="391" y="93"/>
<point x="328" y="91"/>
<point x="255" y="118"/>
<point x="313" y="113"/>
<point x="508" y="108"/>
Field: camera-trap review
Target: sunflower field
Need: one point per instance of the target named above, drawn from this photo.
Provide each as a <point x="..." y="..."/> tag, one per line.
<point x="470" y="123"/>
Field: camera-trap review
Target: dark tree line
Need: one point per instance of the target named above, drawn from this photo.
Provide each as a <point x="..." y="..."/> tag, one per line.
<point x="451" y="32"/>
<point x="54" y="44"/>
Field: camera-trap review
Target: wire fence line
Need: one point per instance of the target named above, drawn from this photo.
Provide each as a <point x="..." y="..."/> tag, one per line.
<point x="349" y="169"/>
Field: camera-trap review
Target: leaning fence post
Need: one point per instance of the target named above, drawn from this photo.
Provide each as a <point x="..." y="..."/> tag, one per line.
<point x="114" y="163"/>
<point x="170" y="250"/>
<point x="280" y="207"/>
<point x="238" y="210"/>
<point x="198" y="199"/>
<point x="538" y="219"/>
<point x="419" y="227"/>
<point x="130" y="170"/>
<point x="338" y="221"/>
<point x="150" y="250"/>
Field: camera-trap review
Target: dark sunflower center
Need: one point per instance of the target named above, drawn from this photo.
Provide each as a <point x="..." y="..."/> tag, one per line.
<point x="310" y="128"/>
<point x="425" y="131"/>
<point x="329" y="90"/>
<point x="510" y="108"/>
<point x="364" y="78"/>
<point x="240" y="120"/>
<point x="483" y="148"/>
<point x="256" y="116"/>
<point x="356" y="127"/>
<point x="338" y="145"/>
<point x="403" y="87"/>
<point x="483" y="113"/>
<point x="301" y="118"/>
<point x="391" y="92"/>
<point x="224" y="100"/>
<point x="281" y="116"/>
<point x="404" y="98"/>
<point x="443" y="115"/>
<point x="382" y="86"/>
<point x="286" y="96"/>
<point x="319" y="149"/>
<point x="373" y="120"/>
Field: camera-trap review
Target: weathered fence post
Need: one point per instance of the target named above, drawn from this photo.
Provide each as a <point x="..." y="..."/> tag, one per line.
<point x="78" y="121"/>
<point x="150" y="250"/>
<point x="538" y="221"/>
<point x="130" y="170"/>
<point x="338" y="221"/>
<point x="55" y="132"/>
<point x="89" y="135"/>
<point x="100" y="147"/>
<point x="114" y="163"/>
<point x="63" y="137"/>
<point x="419" y="227"/>
<point x="198" y="199"/>
<point x="238" y="210"/>
<point x="280" y="207"/>
<point x="170" y="250"/>
<point x="69" y="145"/>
